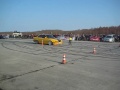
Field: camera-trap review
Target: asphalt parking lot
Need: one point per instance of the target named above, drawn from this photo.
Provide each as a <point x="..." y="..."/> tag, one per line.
<point x="25" y="65"/>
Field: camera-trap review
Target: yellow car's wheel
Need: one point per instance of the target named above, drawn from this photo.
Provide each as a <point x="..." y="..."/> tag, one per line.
<point x="50" y="43"/>
<point x="36" y="41"/>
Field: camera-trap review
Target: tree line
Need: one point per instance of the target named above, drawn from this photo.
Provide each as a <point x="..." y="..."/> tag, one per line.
<point x="92" y="31"/>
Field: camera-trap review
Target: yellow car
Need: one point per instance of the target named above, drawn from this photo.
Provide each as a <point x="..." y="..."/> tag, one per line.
<point x="47" y="39"/>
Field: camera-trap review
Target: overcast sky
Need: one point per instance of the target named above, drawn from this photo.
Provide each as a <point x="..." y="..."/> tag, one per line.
<point x="33" y="15"/>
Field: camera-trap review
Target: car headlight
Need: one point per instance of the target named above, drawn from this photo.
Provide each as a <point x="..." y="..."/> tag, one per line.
<point x="110" y="39"/>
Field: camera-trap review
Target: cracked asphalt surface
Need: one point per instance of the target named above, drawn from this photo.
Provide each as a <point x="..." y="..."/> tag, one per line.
<point x="25" y="65"/>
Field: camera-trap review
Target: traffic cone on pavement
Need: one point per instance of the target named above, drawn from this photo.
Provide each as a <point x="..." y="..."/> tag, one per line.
<point x="94" y="51"/>
<point x="64" y="59"/>
<point x="42" y="42"/>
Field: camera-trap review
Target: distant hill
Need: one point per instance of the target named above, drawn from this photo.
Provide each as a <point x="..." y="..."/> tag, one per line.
<point x="100" y="30"/>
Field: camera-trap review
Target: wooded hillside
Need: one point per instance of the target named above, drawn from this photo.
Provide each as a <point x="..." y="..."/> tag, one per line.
<point x="93" y="31"/>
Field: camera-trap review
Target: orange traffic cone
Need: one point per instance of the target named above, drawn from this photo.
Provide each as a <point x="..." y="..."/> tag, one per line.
<point x="94" y="51"/>
<point x="42" y="42"/>
<point x="64" y="60"/>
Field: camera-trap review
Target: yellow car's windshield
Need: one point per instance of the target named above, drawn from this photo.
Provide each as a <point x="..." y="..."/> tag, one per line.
<point x="50" y="36"/>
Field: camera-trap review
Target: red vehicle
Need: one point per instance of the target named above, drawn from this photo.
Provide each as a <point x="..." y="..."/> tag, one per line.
<point x="95" y="38"/>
